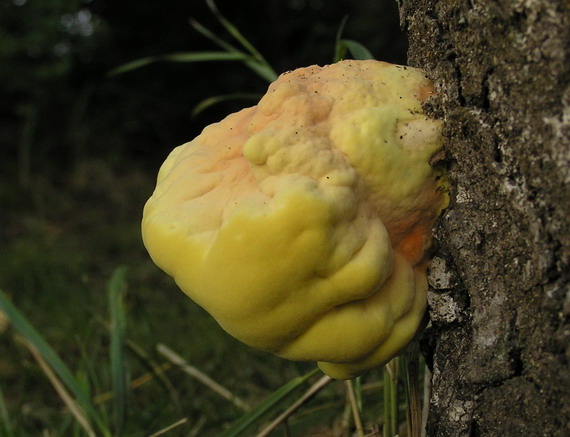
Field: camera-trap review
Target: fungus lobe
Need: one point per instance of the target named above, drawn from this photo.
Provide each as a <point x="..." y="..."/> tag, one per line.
<point x="302" y="224"/>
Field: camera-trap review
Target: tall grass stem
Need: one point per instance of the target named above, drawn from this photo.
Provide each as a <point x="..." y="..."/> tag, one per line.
<point x="169" y="428"/>
<point x="268" y="406"/>
<point x="202" y="377"/>
<point x="119" y="377"/>
<point x="74" y="408"/>
<point x="355" y="409"/>
<point x="306" y="397"/>
<point x="31" y="335"/>
<point x="5" y="422"/>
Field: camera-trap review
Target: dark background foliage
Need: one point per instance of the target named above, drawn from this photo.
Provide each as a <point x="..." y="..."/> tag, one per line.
<point x="79" y="152"/>
<point x="58" y="107"/>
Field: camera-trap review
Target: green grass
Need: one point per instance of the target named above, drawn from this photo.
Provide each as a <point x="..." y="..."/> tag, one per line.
<point x="86" y="351"/>
<point x="80" y="355"/>
<point x="97" y="328"/>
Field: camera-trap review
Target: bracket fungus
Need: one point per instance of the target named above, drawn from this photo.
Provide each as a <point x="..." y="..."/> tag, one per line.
<point x="302" y="224"/>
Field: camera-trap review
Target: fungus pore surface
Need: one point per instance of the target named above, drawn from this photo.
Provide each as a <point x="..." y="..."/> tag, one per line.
<point x="302" y="224"/>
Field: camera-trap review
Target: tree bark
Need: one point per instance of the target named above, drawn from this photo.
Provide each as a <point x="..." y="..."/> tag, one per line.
<point x="498" y="341"/>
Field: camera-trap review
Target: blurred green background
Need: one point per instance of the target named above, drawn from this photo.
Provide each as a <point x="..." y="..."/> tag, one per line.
<point x="79" y="151"/>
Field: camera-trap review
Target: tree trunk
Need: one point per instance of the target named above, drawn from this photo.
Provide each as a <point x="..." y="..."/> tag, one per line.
<point x="498" y="341"/>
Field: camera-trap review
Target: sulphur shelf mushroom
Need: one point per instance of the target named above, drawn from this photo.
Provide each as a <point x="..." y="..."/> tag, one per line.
<point x="302" y="224"/>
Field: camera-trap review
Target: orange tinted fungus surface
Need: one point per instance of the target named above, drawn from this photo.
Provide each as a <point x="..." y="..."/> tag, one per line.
<point x="302" y="224"/>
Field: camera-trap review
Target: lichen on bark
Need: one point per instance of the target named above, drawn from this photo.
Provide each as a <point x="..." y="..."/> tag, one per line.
<point x="499" y="338"/>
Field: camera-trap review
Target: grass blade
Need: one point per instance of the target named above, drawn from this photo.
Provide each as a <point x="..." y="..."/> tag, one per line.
<point x="211" y="101"/>
<point x="358" y="392"/>
<point x="339" y="47"/>
<point x="260" y="66"/>
<point x="31" y="335"/>
<point x="268" y="405"/>
<point x="354" y="408"/>
<point x="232" y="30"/>
<point x="357" y="50"/>
<point x="425" y="402"/>
<point x="390" y="372"/>
<point x="116" y="289"/>
<point x="263" y="71"/>
<point x="409" y="363"/>
<point x="387" y="428"/>
<point x="256" y="62"/>
<point x="155" y="371"/>
<point x="169" y="428"/>
<point x="201" y="376"/>
<point x="5" y="423"/>
<point x="213" y="37"/>
<point x="180" y="57"/>
<point x="74" y="408"/>
<point x="307" y="396"/>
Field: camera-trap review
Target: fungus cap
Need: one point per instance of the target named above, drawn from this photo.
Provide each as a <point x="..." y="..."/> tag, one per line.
<point x="301" y="224"/>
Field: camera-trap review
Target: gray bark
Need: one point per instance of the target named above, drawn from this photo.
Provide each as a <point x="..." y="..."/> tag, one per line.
<point x="498" y="341"/>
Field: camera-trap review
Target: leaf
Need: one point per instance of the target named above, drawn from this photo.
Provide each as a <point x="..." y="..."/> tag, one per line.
<point x="115" y="291"/>
<point x="267" y="406"/>
<point x="26" y="330"/>
<point x="180" y="57"/>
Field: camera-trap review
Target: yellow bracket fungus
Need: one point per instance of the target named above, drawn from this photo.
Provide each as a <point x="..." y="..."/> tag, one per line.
<point x="301" y="224"/>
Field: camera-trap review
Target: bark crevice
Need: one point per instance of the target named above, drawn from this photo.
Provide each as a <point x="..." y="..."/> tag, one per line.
<point x="498" y="342"/>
